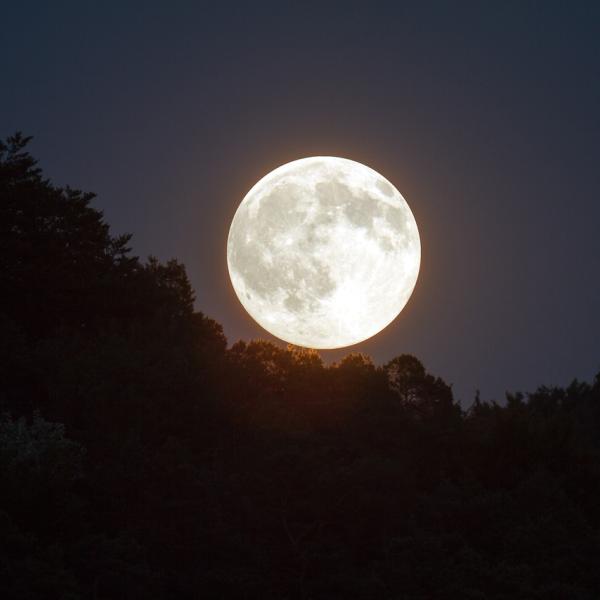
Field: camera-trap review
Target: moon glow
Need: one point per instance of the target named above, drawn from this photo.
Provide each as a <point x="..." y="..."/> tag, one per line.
<point x="323" y="252"/>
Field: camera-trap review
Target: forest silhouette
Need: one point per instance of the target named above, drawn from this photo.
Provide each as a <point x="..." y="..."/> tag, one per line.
<point x="143" y="457"/>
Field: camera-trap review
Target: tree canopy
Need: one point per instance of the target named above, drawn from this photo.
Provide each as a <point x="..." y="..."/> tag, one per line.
<point x="143" y="456"/>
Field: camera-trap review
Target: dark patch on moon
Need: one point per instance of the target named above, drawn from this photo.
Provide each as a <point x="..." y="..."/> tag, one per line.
<point x="333" y="195"/>
<point x="385" y="243"/>
<point x="293" y="303"/>
<point x="384" y="187"/>
<point x="396" y="217"/>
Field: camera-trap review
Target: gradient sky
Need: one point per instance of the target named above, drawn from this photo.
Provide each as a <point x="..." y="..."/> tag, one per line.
<point x="486" y="116"/>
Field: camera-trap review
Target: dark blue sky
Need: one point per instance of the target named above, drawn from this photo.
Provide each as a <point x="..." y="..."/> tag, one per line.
<point x="486" y="116"/>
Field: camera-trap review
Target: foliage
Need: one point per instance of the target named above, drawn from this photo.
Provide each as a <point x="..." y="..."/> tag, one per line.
<point x="140" y="456"/>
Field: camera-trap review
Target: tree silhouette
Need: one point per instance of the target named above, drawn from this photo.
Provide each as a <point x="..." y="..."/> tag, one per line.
<point x="143" y="457"/>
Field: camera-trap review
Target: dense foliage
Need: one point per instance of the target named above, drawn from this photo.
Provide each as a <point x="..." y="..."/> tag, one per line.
<point x="141" y="457"/>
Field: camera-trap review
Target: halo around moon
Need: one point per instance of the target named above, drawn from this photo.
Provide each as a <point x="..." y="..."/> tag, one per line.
<point x="323" y="252"/>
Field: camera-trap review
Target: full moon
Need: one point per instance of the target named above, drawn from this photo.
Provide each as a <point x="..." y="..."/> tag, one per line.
<point x="323" y="252"/>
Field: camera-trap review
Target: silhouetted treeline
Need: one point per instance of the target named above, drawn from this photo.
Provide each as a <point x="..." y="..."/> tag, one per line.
<point x="141" y="457"/>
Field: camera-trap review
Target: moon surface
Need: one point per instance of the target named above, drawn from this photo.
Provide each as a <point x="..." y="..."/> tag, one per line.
<point x="323" y="252"/>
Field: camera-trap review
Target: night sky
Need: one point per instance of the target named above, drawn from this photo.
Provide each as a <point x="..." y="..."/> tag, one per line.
<point x="485" y="116"/>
